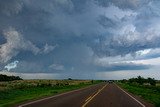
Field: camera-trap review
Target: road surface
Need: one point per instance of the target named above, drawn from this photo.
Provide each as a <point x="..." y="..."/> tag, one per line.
<point x="100" y="95"/>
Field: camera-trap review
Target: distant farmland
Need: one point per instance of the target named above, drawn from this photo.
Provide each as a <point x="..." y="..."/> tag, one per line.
<point x="18" y="91"/>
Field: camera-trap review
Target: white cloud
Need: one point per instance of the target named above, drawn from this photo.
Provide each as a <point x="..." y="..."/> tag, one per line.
<point x="48" y="48"/>
<point x="14" y="43"/>
<point x="153" y="61"/>
<point x="116" y="12"/>
<point x="143" y="52"/>
<point x="11" y="65"/>
<point x="146" y="57"/>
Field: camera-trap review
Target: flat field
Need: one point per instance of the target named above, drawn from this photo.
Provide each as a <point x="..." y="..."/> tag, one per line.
<point x="14" y="92"/>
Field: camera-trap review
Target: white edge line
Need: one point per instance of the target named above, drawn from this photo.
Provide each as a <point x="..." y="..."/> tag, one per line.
<point x="54" y="96"/>
<point x="131" y="96"/>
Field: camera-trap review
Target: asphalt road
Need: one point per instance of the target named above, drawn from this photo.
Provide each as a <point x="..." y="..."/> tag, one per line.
<point x="100" y="95"/>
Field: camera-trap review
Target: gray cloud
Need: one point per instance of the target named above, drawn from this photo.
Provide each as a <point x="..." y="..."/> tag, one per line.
<point x="73" y="33"/>
<point x="57" y="67"/>
<point x="124" y="4"/>
<point x="9" y="8"/>
<point x="29" y="67"/>
<point x="48" y="48"/>
<point x="123" y="66"/>
<point x="129" y="42"/>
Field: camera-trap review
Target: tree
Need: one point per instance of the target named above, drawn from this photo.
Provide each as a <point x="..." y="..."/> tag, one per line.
<point x="140" y="80"/>
<point x="69" y="78"/>
<point x="152" y="81"/>
<point x="132" y="80"/>
<point x="9" y="78"/>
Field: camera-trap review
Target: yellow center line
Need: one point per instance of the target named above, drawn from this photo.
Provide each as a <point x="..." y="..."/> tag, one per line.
<point x="91" y="97"/>
<point x="88" y="98"/>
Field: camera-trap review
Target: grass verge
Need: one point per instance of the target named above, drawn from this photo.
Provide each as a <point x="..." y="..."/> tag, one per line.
<point x="11" y="97"/>
<point x="149" y="93"/>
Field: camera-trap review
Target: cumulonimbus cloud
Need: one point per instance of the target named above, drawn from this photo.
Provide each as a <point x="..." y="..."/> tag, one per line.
<point x="82" y="30"/>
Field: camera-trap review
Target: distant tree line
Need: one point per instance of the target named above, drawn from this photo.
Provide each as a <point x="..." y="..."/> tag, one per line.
<point x="140" y="80"/>
<point x="9" y="78"/>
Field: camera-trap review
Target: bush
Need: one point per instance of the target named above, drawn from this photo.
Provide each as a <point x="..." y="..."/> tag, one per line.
<point x="9" y="78"/>
<point x="140" y="80"/>
<point x="69" y="78"/>
<point x="151" y="81"/>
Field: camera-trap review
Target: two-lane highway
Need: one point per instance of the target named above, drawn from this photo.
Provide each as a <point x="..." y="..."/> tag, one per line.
<point x="100" y="95"/>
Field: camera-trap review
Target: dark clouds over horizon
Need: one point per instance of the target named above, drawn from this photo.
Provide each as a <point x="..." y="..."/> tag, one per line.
<point x="78" y="36"/>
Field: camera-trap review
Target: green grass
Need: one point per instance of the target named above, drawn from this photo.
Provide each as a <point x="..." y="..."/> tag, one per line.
<point x="13" y="96"/>
<point x="149" y="93"/>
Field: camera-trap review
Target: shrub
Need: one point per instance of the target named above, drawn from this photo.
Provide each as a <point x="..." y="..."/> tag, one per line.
<point x="151" y="81"/>
<point x="140" y="80"/>
<point x="9" y="78"/>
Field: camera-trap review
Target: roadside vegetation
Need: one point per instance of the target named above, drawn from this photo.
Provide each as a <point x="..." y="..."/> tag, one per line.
<point x="148" y="89"/>
<point x="14" y="92"/>
<point x="9" y="78"/>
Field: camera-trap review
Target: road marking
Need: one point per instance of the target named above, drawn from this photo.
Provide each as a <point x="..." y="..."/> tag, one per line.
<point x="91" y="97"/>
<point x="131" y="96"/>
<point x="53" y="96"/>
<point x="88" y="98"/>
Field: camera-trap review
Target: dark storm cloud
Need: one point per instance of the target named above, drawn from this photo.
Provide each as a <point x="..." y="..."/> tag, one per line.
<point x="10" y="7"/>
<point x="124" y="4"/>
<point x="124" y="66"/>
<point x="67" y="35"/>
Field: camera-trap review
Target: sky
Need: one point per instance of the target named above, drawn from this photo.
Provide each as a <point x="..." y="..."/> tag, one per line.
<point x="80" y="39"/>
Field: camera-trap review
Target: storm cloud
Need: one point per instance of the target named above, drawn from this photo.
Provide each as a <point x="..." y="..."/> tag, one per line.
<point x="75" y="36"/>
